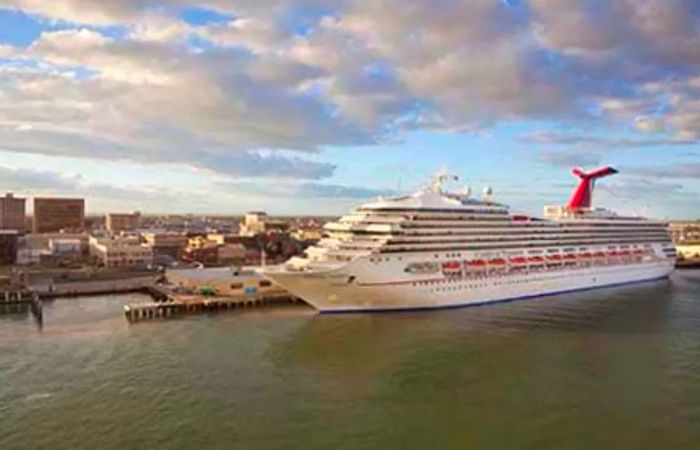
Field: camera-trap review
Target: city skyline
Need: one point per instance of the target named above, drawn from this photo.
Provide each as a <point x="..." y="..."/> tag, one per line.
<point x="309" y="107"/>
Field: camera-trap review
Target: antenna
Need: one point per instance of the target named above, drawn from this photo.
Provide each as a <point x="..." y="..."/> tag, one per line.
<point x="440" y="178"/>
<point x="487" y="194"/>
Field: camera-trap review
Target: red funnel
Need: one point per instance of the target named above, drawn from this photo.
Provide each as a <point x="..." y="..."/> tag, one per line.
<point x="582" y="196"/>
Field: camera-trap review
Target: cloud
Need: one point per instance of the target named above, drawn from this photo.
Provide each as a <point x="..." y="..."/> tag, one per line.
<point x="306" y="75"/>
<point x="20" y="179"/>
<point x="102" y="197"/>
<point x="691" y="170"/>
<point x="565" y="139"/>
<point x="251" y="164"/>
<point x="104" y="12"/>
<point x="645" y="190"/>
<point x="305" y="191"/>
<point x="253" y="33"/>
<point x="569" y="159"/>
<point x="147" y="101"/>
<point x="319" y="190"/>
<point x="647" y="124"/>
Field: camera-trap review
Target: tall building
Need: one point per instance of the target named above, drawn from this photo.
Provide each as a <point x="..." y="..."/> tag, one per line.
<point x="115" y="222"/>
<point x="8" y="247"/>
<point x="12" y="213"/>
<point x="56" y="214"/>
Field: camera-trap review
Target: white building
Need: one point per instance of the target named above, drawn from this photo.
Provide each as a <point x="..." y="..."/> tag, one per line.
<point x="121" y="252"/>
<point x="254" y="223"/>
<point x="28" y="256"/>
<point x="65" y="247"/>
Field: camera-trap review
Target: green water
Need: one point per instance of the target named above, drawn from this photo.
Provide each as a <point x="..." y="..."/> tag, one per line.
<point x="617" y="368"/>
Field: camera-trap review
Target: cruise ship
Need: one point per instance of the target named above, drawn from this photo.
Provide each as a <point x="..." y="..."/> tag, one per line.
<point x="441" y="249"/>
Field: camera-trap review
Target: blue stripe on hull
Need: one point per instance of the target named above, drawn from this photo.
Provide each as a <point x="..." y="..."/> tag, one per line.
<point x="487" y="302"/>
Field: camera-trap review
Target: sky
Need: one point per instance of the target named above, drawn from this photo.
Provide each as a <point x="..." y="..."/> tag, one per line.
<point x="313" y="106"/>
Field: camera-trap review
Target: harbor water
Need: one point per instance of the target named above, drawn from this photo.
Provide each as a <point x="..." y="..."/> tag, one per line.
<point x="608" y="369"/>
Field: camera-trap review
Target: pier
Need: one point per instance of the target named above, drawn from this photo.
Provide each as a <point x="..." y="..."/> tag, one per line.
<point x="23" y="298"/>
<point x="179" y="305"/>
<point x="691" y="263"/>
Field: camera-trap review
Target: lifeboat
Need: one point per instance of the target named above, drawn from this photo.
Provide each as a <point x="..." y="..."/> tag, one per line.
<point x="599" y="255"/>
<point x="451" y="265"/>
<point x="518" y="260"/>
<point x="535" y="260"/>
<point x="613" y="253"/>
<point x="554" y="257"/>
<point x="570" y="257"/>
<point x="624" y="253"/>
<point x="585" y="255"/>
<point x="497" y="262"/>
<point x="639" y="252"/>
<point x="476" y="263"/>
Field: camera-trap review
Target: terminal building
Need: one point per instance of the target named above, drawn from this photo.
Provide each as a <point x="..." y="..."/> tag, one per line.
<point x="57" y="214"/>
<point x="222" y="281"/>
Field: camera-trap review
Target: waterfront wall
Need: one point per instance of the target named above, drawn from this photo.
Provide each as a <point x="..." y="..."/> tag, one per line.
<point x="95" y="287"/>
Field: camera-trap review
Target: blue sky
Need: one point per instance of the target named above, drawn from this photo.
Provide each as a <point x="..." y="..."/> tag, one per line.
<point x="305" y="107"/>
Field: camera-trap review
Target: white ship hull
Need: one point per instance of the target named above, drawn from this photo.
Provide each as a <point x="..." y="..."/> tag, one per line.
<point x="332" y="291"/>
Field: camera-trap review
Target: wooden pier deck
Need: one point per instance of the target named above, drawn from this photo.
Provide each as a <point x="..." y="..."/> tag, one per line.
<point x="179" y="305"/>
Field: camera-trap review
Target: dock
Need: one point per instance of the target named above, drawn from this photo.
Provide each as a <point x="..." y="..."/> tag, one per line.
<point x="180" y="305"/>
<point x="16" y="297"/>
<point x="23" y="298"/>
<point x="693" y="263"/>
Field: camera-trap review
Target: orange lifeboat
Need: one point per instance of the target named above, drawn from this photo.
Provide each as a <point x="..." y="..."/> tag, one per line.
<point x="585" y="255"/>
<point x="497" y="262"/>
<point x="451" y="265"/>
<point x="535" y="260"/>
<point x="570" y="257"/>
<point x="518" y="260"/>
<point x="554" y="257"/>
<point x="476" y="263"/>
